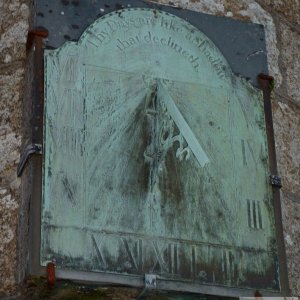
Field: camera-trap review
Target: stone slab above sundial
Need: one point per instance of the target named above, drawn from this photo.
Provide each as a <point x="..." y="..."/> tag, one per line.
<point x="156" y="157"/>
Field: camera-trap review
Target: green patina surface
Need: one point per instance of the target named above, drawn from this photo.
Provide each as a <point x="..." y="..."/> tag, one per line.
<point x="156" y="158"/>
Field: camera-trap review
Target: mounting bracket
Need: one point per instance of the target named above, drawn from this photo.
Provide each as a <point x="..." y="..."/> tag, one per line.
<point x="29" y="150"/>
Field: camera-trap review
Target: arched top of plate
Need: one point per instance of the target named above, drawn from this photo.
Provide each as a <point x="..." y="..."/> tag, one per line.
<point x="150" y="42"/>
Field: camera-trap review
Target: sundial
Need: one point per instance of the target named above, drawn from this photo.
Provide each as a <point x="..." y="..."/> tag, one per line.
<point x="156" y="158"/>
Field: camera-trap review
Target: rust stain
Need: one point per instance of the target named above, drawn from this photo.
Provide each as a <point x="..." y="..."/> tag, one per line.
<point x="51" y="274"/>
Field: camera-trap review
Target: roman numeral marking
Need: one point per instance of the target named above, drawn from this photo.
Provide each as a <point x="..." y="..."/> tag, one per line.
<point x="254" y="214"/>
<point x="173" y="258"/>
<point x="137" y="256"/>
<point x="171" y="250"/>
<point x="100" y="257"/>
<point x="228" y="268"/>
<point x="244" y="152"/>
<point x="193" y="262"/>
<point x="159" y="258"/>
<point x="137" y="261"/>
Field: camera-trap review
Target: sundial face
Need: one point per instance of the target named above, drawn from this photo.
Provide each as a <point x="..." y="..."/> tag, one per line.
<point x="156" y="158"/>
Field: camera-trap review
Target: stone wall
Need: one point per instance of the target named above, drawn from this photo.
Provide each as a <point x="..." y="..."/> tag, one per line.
<point x="14" y="23"/>
<point x="281" y="19"/>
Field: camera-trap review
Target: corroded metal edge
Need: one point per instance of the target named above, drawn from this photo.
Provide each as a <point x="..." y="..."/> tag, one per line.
<point x="35" y="43"/>
<point x="266" y="83"/>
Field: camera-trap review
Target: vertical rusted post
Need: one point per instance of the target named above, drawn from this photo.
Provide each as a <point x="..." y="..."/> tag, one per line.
<point x="35" y="43"/>
<point x="266" y="83"/>
<point x="51" y="274"/>
<point x="258" y="295"/>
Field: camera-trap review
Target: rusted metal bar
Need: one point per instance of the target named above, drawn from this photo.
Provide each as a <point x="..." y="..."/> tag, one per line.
<point x="258" y="295"/>
<point x="35" y="45"/>
<point x="33" y="34"/>
<point x="266" y="83"/>
<point x="38" y="99"/>
<point x="51" y="274"/>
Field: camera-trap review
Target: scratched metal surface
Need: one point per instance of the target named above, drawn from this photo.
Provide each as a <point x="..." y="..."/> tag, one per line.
<point x="155" y="157"/>
<point x="242" y="43"/>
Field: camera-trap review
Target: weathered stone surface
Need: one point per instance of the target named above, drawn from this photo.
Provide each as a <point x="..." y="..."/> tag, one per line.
<point x="13" y="33"/>
<point x="287" y="128"/>
<point x="288" y="9"/>
<point x="10" y="140"/>
<point x="8" y="224"/>
<point x="13" y="30"/>
<point x="9" y="190"/>
<point x="11" y="82"/>
<point x="291" y="220"/>
<point x="290" y="60"/>
<point x="9" y="149"/>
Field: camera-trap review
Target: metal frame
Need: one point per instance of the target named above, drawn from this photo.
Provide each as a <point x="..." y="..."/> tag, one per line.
<point x="266" y="83"/>
<point x="35" y="41"/>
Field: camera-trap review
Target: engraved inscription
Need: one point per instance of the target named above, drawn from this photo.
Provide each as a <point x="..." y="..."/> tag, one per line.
<point x="149" y="38"/>
<point x="254" y="214"/>
<point x="99" y="37"/>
